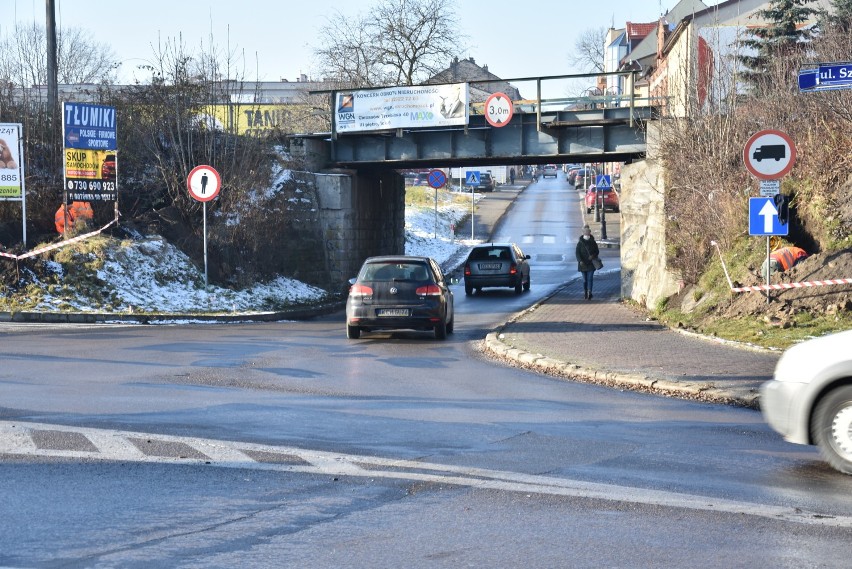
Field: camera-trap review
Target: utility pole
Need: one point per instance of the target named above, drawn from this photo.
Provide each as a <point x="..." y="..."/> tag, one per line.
<point x="52" y="75"/>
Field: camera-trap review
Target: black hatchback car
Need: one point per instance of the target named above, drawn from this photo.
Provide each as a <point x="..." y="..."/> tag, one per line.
<point x="496" y="265"/>
<point x="399" y="293"/>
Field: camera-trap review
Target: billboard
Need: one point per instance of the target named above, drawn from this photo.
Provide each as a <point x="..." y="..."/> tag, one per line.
<point x="262" y="119"/>
<point x="90" y="159"/>
<point x="11" y="163"/>
<point x="401" y="107"/>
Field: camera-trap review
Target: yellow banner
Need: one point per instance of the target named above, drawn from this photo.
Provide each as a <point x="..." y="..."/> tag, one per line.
<point x="258" y="119"/>
<point x="89" y="164"/>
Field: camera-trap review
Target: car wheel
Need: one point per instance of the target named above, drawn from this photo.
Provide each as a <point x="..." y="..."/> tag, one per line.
<point x="831" y="426"/>
<point x="527" y="284"/>
<point x="451" y="325"/>
<point x="468" y="290"/>
<point x="519" y="287"/>
<point x="588" y="210"/>
<point x="441" y="330"/>
<point x="353" y="332"/>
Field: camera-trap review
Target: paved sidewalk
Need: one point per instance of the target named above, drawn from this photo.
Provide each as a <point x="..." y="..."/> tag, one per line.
<point x="607" y="342"/>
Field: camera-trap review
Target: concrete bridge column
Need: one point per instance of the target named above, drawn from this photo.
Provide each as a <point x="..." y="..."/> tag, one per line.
<point x="362" y="215"/>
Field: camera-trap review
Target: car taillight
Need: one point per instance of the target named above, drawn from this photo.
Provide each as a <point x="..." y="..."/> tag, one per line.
<point x="360" y="291"/>
<point x="428" y="290"/>
<point x="513" y="269"/>
<point x="467" y="270"/>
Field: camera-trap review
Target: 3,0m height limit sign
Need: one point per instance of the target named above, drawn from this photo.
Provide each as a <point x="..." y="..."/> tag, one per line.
<point x="498" y="110"/>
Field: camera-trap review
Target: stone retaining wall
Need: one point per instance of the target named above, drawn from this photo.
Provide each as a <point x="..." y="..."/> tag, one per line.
<point x="644" y="275"/>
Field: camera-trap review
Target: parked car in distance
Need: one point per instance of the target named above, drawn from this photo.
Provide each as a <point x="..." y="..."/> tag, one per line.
<point x="496" y="265"/>
<point x="399" y="293"/>
<point x="608" y="195"/>
<point x="584" y="178"/>
<point x="809" y="399"/>
<point x="549" y="171"/>
<point x="571" y="173"/>
<point x="486" y="183"/>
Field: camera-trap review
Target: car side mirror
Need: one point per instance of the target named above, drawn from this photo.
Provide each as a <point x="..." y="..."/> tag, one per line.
<point x="352" y="281"/>
<point x="527" y="257"/>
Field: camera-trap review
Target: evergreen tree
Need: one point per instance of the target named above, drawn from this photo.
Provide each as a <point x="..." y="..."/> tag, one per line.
<point x="838" y="17"/>
<point x="782" y="37"/>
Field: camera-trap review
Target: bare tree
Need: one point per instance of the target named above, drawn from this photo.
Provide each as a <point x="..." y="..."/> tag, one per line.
<point x="348" y="54"/>
<point x="397" y="42"/>
<point x="23" y="58"/>
<point x="589" y="50"/>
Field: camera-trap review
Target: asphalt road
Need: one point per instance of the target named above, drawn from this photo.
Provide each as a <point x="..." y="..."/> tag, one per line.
<point x="286" y="445"/>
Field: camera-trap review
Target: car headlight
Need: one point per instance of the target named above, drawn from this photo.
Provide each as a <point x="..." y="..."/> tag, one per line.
<point x="794" y="366"/>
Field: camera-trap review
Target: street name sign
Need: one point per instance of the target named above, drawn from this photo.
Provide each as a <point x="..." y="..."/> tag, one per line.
<point x="769" y="154"/>
<point x="826" y="77"/>
<point x="763" y="218"/>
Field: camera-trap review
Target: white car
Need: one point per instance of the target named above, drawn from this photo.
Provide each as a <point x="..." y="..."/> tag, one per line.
<point x="809" y="399"/>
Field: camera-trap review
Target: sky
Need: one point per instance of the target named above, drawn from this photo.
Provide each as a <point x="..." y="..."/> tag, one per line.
<point x="527" y="39"/>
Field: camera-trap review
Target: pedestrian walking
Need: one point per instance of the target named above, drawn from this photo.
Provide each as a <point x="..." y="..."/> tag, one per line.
<point x="587" y="260"/>
<point x="512" y="176"/>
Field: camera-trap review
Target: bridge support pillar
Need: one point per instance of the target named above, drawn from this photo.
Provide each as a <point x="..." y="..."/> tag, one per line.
<point x="362" y="215"/>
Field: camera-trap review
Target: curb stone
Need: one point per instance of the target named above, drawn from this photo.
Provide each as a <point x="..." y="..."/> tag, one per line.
<point x="301" y="313"/>
<point x="709" y="392"/>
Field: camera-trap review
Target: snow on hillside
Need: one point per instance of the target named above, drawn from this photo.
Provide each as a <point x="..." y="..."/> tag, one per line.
<point x="150" y="275"/>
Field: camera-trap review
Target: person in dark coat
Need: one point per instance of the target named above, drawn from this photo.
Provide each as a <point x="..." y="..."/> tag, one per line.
<point x="587" y="250"/>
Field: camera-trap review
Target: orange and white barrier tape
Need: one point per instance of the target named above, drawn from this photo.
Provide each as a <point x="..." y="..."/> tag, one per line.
<point x="783" y="286"/>
<point x="780" y="286"/>
<point x="58" y="245"/>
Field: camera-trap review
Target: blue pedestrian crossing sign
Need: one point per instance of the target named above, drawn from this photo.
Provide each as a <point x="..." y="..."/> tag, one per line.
<point x="472" y="178"/>
<point x="603" y="182"/>
<point x="763" y="218"/>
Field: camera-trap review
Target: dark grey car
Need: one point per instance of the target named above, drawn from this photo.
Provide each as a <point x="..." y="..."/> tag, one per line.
<point x="399" y="293"/>
<point x="496" y="265"/>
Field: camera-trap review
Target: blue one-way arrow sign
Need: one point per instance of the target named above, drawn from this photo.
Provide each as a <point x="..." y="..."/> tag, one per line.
<point x="763" y="218"/>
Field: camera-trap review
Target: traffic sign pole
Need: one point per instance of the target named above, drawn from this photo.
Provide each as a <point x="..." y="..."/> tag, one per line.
<point x="203" y="183"/>
<point x="768" y="271"/>
<point x="205" y="245"/>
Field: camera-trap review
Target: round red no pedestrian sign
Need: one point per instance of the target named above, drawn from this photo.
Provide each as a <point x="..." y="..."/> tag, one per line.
<point x="203" y="183"/>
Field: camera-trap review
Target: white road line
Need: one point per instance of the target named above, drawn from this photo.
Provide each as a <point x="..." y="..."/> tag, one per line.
<point x="116" y="446"/>
<point x="15" y="439"/>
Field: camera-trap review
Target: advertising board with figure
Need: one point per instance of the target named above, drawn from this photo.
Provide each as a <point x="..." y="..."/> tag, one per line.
<point x="11" y="175"/>
<point x="402" y="107"/>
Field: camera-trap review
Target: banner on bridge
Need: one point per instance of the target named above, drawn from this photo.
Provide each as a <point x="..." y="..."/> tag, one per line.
<point x="402" y="107"/>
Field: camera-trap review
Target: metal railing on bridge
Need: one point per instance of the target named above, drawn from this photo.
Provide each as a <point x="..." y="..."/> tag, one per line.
<point x="566" y="118"/>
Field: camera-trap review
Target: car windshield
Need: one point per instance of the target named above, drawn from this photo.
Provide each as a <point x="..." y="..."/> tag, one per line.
<point x="490" y="254"/>
<point x="394" y="271"/>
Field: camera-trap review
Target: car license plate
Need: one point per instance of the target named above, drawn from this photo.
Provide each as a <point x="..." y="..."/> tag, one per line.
<point x="489" y="266"/>
<point x="393" y="312"/>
